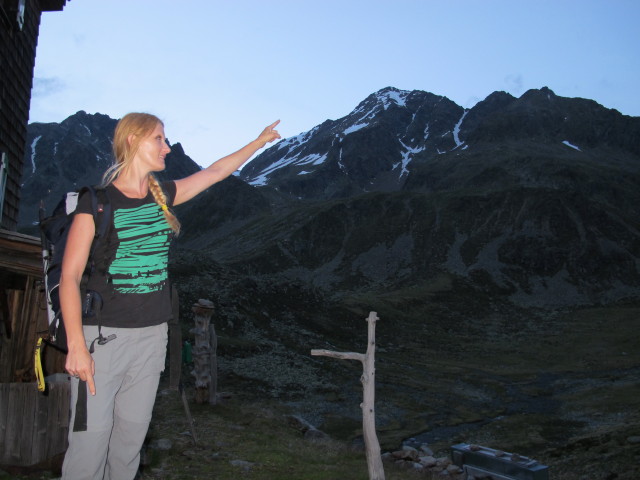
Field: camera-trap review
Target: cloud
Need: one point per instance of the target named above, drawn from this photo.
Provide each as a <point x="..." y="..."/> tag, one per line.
<point x="44" y="87"/>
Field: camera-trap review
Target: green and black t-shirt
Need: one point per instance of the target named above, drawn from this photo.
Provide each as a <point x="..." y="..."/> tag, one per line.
<point x="135" y="287"/>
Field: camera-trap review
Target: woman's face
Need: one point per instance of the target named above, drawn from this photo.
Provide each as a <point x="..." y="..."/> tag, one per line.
<point x="152" y="150"/>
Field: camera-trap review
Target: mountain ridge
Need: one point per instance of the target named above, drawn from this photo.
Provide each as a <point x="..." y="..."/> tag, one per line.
<point x="410" y="128"/>
<point x="547" y="193"/>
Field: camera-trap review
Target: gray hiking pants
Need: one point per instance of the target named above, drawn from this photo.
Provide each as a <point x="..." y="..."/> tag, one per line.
<point x="117" y="418"/>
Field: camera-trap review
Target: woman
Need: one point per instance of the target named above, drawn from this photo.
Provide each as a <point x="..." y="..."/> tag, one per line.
<point x="122" y="371"/>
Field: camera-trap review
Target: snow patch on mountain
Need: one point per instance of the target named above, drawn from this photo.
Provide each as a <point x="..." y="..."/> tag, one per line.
<point x="393" y="96"/>
<point x="355" y="128"/>
<point x="407" y="156"/>
<point x="456" y="130"/>
<point x="311" y="159"/>
<point x="384" y="99"/>
<point x="33" y="152"/>
<point x="298" y="140"/>
<point x="572" y="146"/>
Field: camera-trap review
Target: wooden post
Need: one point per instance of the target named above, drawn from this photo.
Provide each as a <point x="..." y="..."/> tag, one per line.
<point x="203" y="310"/>
<point x="372" y="446"/>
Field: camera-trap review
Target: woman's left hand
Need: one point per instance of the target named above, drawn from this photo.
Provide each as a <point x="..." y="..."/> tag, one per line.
<point x="269" y="134"/>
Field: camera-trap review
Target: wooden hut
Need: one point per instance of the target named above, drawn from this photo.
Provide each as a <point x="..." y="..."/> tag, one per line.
<point x="33" y="425"/>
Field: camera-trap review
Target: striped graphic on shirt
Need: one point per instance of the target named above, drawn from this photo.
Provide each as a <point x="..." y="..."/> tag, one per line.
<point x="140" y="264"/>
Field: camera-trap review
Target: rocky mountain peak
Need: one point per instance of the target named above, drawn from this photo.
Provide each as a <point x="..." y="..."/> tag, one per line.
<point x="369" y="149"/>
<point x="379" y="101"/>
<point x="393" y="132"/>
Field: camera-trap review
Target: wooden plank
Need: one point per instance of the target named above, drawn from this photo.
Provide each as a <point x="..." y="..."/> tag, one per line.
<point x="39" y="433"/>
<point x="50" y="425"/>
<point x="24" y="266"/>
<point x="30" y="313"/>
<point x="15" y="298"/>
<point x="21" y="341"/>
<point x="20" y="253"/>
<point x="22" y="338"/>
<point x="64" y="414"/>
<point x="28" y="393"/>
<point x="4" y="409"/>
<point x="11" y="451"/>
<point x="8" y="236"/>
<point x="58" y="419"/>
<point x="6" y="358"/>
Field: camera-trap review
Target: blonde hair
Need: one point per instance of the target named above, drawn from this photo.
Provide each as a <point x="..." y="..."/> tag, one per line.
<point x="137" y="126"/>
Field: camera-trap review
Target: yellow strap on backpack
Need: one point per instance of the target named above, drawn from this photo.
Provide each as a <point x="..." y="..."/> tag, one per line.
<point x="37" y="363"/>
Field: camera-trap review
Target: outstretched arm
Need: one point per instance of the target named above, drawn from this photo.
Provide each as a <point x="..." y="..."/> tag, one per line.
<point x="189" y="187"/>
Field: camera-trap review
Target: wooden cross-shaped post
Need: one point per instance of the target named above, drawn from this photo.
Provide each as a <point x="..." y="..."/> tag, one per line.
<point x="372" y="446"/>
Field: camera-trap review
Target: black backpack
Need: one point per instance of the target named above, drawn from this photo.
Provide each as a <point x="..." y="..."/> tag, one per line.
<point x="54" y="231"/>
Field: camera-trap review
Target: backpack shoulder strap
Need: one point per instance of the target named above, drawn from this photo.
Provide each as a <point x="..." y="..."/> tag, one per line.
<point x="100" y="208"/>
<point x="103" y="220"/>
<point x="102" y="213"/>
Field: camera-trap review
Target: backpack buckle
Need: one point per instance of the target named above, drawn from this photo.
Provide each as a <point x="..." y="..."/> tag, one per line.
<point x="102" y="340"/>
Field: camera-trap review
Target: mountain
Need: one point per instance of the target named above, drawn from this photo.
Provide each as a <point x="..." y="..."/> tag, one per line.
<point x="533" y="198"/>
<point x="499" y="245"/>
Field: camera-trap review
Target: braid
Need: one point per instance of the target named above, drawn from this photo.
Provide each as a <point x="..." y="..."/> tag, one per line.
<point x="161" y="200"/>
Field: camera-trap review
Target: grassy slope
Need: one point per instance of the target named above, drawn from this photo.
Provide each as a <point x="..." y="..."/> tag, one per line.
<point x="569" y="399"/>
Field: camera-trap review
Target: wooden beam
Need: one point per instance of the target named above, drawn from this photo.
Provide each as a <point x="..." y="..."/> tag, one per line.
<point x="20" y="253"/>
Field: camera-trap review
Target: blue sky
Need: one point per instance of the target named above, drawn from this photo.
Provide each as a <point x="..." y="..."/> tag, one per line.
<point x="218" y="71"/>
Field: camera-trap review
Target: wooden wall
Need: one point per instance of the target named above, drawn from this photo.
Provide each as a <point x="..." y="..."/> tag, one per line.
<point x="33" y="426"/>
<point x="17" y="60"/>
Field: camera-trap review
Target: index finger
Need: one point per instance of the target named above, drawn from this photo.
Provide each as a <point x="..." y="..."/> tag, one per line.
<point x="91" y="384"/>
<point x="273" y="125"/>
